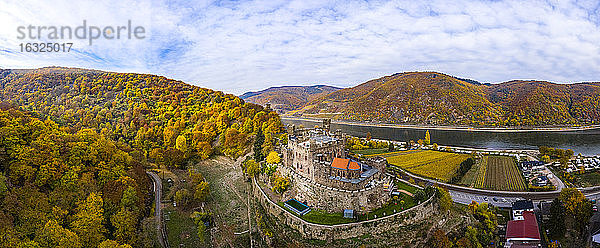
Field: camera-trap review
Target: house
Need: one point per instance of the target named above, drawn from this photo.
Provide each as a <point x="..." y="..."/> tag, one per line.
<point x="541" y="181"/>
<point x="520" y="206"/>
<point x="523" y="233"/>
<point x="594" y="228"/>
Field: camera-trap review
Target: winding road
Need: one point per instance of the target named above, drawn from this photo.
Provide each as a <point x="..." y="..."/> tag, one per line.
<point x="160" y="231"/>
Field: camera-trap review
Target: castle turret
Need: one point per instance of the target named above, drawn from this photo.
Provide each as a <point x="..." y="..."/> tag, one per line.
<point x="327" y="125"/>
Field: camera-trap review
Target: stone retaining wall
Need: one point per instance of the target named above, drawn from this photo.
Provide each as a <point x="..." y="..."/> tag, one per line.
<point x="344" y="231"/>
<point x="334" y="199"/>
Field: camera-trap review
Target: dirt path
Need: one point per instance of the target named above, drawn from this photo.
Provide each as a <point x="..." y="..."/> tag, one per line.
<point x="229" y="201"/>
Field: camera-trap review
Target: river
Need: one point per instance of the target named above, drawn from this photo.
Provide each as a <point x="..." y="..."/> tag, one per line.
<point x="586" y="142"/>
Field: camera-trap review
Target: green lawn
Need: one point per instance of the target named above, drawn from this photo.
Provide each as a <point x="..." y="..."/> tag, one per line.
<point x="371" y="151"/>
<point x="321" y="217"/>
<point x="181" y="229"/>
<point x="587" y="179"/>
<point x="389" y="208"/>
<point x="405" y="186"/>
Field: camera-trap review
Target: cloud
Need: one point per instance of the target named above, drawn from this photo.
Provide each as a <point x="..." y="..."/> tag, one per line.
<point x="237" y="46"/>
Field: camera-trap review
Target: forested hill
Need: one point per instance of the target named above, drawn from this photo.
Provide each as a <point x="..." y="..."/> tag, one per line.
<point x="437" y="99"/>
<point x="286" y="98"/>
<point x="165" y="119"/>
<point x="75" y="143"/>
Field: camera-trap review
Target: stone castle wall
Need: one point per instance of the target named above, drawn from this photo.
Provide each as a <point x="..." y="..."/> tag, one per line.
<point x="344" y="231"/>
<point x="334" y="199"/>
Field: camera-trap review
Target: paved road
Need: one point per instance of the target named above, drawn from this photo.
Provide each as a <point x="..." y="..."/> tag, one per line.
<point x="466" y="195"/>
<point x="157" y="183"/>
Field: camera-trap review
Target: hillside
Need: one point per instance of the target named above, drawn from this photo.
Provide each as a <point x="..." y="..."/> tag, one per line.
<point x="433" y="98"/>
<point x="284" y="99"/>
<point x="75" y="144"/>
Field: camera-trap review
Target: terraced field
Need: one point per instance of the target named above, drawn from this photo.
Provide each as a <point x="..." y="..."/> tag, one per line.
<point x="499" y="173"/>
<point x="431" y="164"/>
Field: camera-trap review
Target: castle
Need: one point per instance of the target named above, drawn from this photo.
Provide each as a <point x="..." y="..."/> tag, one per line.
<point x="324" y="177"/>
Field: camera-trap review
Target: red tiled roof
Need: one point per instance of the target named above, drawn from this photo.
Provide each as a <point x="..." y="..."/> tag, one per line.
<point x="340" y="163"/>
<point x="354" y="166"/>
<point x="526" y="228"/>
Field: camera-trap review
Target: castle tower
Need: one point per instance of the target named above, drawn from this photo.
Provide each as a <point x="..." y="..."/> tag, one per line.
<point x="327" y="124"/>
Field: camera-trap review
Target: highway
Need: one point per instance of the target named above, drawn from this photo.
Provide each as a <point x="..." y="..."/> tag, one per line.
<point x="157" y="187"/>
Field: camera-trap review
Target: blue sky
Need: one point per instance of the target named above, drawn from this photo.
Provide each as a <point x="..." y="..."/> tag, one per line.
<point x="238" y="46"/>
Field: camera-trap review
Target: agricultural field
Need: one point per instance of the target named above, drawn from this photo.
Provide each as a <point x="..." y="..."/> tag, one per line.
<point x="499" y="173"/>
<point x="471" y="176"/>
<point x="431" y="164"/>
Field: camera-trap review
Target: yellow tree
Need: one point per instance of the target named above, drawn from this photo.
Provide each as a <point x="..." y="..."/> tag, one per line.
<point x="124" y="222"/>
<point x="427" y="140"/>
<point x="88" y="221"/>
<point x="181" y="143"/>
<point x="112" y="244"/>
<point x="54" y="235"/>
<point x="273" y="158"/>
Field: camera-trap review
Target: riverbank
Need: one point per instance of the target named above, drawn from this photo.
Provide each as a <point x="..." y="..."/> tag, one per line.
<point x="452" y="128"/>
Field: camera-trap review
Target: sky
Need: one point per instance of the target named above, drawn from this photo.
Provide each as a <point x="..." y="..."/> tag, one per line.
<point x="240" y="46"/>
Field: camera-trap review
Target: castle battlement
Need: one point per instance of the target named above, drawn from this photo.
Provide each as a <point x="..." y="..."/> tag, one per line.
<point x="318" y="157"/>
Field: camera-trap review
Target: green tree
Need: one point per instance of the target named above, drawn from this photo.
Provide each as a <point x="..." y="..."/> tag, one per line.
<point x="182" y="197"/>
<point x="252" y="168"/>
<point x="280" y="184"/>
<point x="130" y="198"/>
<point x="546" y="159"/>
<point x="556" y="223"/>
<point x="3" y="186"/>
<point x="420" y="196"/>
<point x="201" y="191"/>
<point x="258" y="143"/>
<point x="444" y="199"/>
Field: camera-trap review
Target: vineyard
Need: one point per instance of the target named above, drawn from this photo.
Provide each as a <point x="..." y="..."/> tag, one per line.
<point x="432" y="164"/>
<point x="499" y="173"/>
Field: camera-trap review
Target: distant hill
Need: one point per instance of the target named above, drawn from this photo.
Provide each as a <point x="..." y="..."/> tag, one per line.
<point x="286" y="98"/>
<point x="433" y="98"/>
